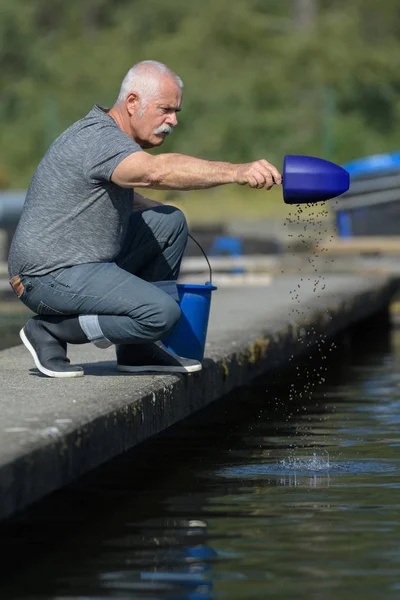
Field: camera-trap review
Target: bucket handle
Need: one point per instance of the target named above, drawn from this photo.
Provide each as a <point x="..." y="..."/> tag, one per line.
<point x="204" y="254"/>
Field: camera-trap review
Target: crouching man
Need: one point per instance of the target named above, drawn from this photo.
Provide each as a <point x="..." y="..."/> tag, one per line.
<point x="96" y="260"/>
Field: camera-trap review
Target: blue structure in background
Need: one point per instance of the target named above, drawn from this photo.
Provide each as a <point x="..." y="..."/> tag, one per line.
<point x="373" y="165"/>
<point x="227" y="246"/>
<point x="372" y="204"/>
<point x="11" y="203"/>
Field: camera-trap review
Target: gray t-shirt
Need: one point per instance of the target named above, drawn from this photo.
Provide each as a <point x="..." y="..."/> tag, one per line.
<point x="73" y="213"/>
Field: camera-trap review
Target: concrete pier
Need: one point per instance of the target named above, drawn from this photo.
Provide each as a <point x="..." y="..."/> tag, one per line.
<point x="53" y="430"/>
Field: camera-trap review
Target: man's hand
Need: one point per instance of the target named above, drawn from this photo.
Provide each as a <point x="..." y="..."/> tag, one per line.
<point x="258" y="174"/>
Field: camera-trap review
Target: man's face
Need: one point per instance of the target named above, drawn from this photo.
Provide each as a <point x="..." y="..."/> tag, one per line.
<point x="151" y="124"/>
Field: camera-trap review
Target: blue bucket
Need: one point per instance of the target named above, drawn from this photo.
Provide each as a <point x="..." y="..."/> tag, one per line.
<point x="188" y="338"/>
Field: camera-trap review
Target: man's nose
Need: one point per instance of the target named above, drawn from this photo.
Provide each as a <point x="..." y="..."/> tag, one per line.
<point x="172" y="120"/>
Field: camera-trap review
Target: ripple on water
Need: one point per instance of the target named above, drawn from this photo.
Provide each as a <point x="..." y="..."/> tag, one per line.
<point x="314" y="464"/>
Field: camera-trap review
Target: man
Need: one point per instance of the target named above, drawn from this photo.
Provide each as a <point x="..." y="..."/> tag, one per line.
<point x="91" y="267"/>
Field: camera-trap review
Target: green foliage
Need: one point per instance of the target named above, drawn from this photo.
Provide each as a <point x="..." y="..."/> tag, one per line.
<point x="255" y="85"/>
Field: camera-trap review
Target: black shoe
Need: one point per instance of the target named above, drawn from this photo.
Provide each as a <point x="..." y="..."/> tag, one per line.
<point x="49" y="353"/>
<point x="139" y="358"/>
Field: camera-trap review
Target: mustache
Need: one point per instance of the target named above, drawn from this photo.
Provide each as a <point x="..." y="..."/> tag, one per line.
<point x="166" y="129"/>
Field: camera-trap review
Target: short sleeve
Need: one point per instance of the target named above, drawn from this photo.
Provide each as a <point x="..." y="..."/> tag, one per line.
<point x="106" y="146"/>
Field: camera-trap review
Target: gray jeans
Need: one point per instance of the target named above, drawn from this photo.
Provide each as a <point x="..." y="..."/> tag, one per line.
<point x="131" y="300"/>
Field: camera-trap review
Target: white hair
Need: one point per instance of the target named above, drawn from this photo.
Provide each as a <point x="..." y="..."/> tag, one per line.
<point x="145" y="78"/>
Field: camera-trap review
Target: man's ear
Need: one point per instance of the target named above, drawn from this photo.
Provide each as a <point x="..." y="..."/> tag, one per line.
<point x="132" y="103"/>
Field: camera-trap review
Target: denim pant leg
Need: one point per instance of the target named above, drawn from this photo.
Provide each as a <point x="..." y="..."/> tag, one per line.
<point x="154" y="244"/>
<point x="112" y="304"/>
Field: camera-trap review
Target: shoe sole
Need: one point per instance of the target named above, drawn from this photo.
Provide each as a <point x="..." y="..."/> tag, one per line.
<point x="158" y="369"/>
<point x="42" y="369"/>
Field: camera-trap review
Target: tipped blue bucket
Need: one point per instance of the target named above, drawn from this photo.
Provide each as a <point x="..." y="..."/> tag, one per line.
<point x="188" y="338"/>
<point x="311" y="179"/>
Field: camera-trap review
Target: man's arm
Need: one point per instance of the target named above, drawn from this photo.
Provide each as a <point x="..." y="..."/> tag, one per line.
<point x="181" y="172"/>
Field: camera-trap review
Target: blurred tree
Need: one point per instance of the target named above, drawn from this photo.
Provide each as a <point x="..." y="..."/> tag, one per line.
<point x="255" y="84"/>
<point x="305" y="14"/>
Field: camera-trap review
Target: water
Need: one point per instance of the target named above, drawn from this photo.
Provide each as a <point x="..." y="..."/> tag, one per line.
<point x="270" y="493"/>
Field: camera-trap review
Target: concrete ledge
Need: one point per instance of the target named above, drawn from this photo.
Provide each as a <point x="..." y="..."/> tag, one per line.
<point x="52" y="431"/>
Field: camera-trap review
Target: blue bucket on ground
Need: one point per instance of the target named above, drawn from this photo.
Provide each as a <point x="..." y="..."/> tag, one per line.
<point x="188" y="338"/>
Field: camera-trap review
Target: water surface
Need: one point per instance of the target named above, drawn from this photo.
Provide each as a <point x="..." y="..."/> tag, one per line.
<point x="288" y="488"/>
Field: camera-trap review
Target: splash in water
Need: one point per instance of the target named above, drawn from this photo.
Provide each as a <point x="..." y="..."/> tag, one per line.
<point x="306" y="463"/>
